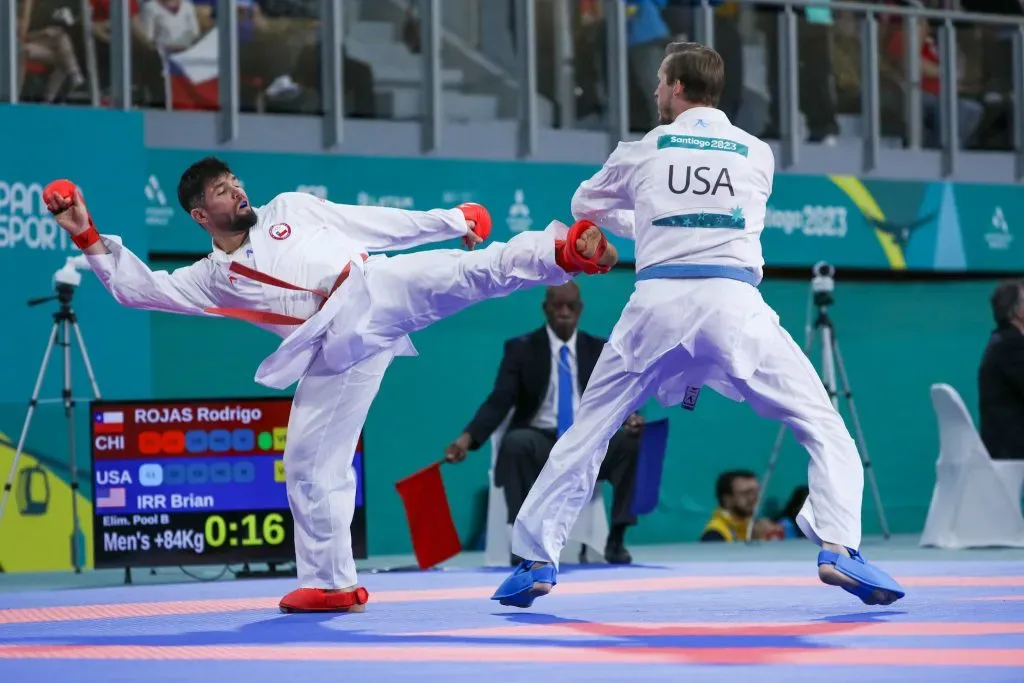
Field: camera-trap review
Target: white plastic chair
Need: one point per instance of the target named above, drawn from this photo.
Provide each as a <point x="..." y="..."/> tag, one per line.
<point x="590" y="530"/>
<point x="976" y="502"/>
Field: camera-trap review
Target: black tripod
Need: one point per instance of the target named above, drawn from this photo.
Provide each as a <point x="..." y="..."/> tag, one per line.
<point x="822" y="286"/>
<point x="64" y="321"/>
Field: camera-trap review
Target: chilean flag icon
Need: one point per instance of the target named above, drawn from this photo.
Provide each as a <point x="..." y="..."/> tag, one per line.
<point x="109" y="422"/>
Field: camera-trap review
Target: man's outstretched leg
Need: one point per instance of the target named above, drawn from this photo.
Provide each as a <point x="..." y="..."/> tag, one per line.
<point x="786" y="388"/>
<point x="327" y="415"/>
<point x="567" y="481"/>
<point x="411" y="291"/>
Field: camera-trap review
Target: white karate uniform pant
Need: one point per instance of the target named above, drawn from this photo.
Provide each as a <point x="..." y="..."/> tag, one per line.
<point x="408" y="292"/>
<point x="675" y="333"/>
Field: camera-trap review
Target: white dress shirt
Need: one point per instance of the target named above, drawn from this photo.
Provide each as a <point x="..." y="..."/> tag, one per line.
<point x="547" y="414"/>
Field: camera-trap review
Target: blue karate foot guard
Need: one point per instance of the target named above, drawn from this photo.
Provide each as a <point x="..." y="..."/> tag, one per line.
<point x="525" y="585"/>
<point x="869" y="583"/>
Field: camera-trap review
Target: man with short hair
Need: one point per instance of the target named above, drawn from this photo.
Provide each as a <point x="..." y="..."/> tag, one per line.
<point x="1001" y="376"/>
<point x="693" y="193"/>
<point x="300" y="267"/>
<point x="736" y="492"/>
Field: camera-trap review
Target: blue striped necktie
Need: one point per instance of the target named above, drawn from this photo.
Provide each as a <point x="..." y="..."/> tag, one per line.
<point x="564" y="390"/>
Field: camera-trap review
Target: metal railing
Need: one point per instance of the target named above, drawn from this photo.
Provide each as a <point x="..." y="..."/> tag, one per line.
<point x="332" y="31"/>
<point x="870" y="76"/>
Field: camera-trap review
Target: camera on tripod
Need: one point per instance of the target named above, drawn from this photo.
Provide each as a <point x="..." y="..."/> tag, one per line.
<point x="65" y="280"/>
<point x="63" y="335"/>
<point x="822" y="283"/>
<point x="68" y="275"/>
<point x="833" y="378"/>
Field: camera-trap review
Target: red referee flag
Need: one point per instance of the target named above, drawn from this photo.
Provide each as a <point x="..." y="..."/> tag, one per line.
<point x="434" y="538"/>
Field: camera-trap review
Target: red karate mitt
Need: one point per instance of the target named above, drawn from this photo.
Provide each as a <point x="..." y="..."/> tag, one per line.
<point x="63" y="188"/>
<point x="478" y="214"/>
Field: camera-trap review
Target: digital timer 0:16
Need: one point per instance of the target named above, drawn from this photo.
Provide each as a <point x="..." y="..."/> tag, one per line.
<point x="270" y="532"/>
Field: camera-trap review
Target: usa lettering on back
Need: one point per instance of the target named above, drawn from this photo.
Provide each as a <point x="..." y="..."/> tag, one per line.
<point x="695" y="181"/>
<point x="700" y="180"/>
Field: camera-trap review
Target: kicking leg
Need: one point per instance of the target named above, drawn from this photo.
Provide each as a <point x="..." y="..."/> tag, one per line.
<point x="786" y="388"/>
<point x="327" y="415"/>
<point x="412" y="291"/>
<point x="567" y="481"/>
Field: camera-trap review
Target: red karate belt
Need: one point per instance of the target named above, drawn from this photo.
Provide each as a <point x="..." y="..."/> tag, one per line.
<point x="267" y="317"/>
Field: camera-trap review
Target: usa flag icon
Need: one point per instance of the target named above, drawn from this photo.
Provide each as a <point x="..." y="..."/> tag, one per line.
<point x="114" y="497"/>
<point x="109" y="422"/>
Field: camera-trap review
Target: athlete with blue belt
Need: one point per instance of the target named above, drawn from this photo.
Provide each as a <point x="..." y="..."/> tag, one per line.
<point x="693" y="195"/>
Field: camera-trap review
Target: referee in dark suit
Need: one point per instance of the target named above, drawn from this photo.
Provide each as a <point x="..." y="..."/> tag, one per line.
<point x="540" y="380"/>
<point x="1001" y="376"/>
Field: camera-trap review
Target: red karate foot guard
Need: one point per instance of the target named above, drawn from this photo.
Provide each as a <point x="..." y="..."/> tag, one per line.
<point x="320" y="600"/>
<point x="585" y="249"/>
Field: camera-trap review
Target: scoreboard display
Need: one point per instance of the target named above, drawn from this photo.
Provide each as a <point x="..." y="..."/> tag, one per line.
<point x="193" y="482"/>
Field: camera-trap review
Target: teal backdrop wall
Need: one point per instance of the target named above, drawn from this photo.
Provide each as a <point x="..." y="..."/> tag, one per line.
<point x="103" y="152"/>
<point x="897" y="340"/>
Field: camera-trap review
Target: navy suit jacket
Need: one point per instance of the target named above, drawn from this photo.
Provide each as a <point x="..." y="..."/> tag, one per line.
<point x="523" y="379"/>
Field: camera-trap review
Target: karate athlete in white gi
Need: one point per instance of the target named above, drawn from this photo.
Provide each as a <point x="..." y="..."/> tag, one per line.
<point x="301" y="268"/>
<point x="693" y="194"/>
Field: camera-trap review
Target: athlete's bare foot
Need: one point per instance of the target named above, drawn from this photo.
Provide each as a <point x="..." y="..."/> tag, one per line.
<point x="587" y="245"/>
<point x="540" y="587"/>
<point x="352" y="589"/>
<point x="833" y="577"/>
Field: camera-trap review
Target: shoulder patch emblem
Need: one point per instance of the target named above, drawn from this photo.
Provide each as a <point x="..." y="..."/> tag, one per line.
<point x="280" y="231"/>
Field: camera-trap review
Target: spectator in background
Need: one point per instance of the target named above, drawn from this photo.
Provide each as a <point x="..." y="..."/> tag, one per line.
<point x="170" y="25"/>
<point x="647" y="36"/>
<point x="998" y="45"/>
<point x="49" y="46"/>
<point x="817" y="96"/>
<point x="266" y="49"/>
<point x="165" y="27"/>
<point x="1001" y="376"/>
<point x="968" y="111"/>
<point x="737" y="492"/>
<point x="357" y="78"/>
<point x="295" y="85"/>
<point x="729" y="44"/>
<point x="589" y="67"/>
<point x="996" y="56"/>
<point x="540" y="380"/>
<point x="147" y="67"/>
<point x="680" y="16"/>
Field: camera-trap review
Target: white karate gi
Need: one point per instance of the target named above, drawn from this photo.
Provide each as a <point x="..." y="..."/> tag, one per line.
<point x="693" y="194"/>
<point x="339" y="355"/>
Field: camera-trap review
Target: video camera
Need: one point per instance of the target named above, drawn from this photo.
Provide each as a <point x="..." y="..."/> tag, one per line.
<point x="822" y="283"/>
<point x="65" y="280"/>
